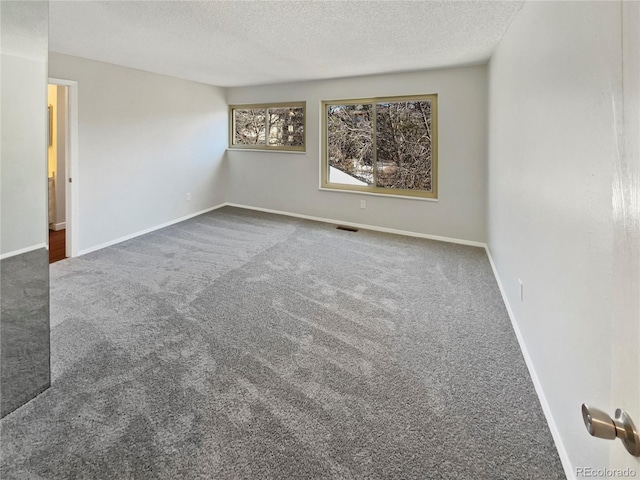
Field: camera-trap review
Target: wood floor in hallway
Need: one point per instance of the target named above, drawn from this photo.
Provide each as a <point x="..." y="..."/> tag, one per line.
<point x="57" y="242"/>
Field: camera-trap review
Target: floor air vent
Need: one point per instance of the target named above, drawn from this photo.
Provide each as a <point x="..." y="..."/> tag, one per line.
<point x="348" y="229"/>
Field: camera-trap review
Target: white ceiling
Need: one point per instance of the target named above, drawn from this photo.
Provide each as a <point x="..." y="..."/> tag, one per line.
<point x="23" y="29"/>
<point x="237" y="43"/>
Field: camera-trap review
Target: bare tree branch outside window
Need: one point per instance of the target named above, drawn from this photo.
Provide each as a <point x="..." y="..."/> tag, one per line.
<point x="269" y="126"/>
<point x="403" y="145"/>
<point x="382" y="144"/>
<point x="249" y="126"/>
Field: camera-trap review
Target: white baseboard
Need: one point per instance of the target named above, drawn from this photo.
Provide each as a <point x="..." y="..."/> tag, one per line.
<point x="289" y="214"/>
<point x="147" y="230"/>
<point x="59" y="226"/>
<point x="23" y="250"/>
<point x="555" y="433"/>
<point x="363" y="226"/>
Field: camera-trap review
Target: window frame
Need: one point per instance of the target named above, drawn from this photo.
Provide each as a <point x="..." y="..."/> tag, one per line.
<point x="266" y="146"/>
<point x="324" y="160"/>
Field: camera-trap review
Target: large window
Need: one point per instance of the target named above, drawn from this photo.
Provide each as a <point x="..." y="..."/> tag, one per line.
<point x="381" y="145"/>
<point x="279" y="126"/>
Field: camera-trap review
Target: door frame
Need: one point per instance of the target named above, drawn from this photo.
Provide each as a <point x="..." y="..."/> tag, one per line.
<point x="625" y="375"/>
<point x="72" y="208"/>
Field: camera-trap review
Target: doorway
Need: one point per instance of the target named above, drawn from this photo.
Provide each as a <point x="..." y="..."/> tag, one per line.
<point x="58" y="145"/>
<point x="62" y="168"/>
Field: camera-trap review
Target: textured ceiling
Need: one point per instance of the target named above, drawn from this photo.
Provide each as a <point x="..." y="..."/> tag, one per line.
<point x="236" y="43"/>
<point x="23" y="29"/>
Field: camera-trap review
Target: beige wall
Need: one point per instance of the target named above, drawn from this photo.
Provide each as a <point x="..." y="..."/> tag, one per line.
<point x="52" y="149"/>
<point x="56" y="152"/>
<point x="61" y="153"/>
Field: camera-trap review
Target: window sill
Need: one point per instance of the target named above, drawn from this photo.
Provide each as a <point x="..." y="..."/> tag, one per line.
<point x="387" y="195"/>
<point x="264" y="150"/>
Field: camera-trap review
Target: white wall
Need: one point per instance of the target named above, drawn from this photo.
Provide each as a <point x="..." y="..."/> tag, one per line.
<point x="551" y="146"/>
<point x="145" y="140"/>
<point x="289" y="182"/>
<point x="23" y="151"/>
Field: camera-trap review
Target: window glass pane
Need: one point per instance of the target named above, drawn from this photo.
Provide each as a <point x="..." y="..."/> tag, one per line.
<point x="286" y="126"/>
<point x="249" y="125"/>
<point x="403" y="145"/>
<point x="350" y="144"/>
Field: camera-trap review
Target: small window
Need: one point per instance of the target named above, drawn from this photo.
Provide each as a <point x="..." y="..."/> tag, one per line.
<point x="382" y="145"/>
<point x="278" y="126"/>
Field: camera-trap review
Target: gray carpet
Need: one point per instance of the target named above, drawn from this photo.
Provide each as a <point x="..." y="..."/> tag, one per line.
<point x="246" y="345"/>
<point x="24" y="328"/>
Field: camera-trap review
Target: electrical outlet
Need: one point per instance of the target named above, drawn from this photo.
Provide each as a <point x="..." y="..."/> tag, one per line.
<point x="363" y="204"/>
<point x="188" y="196"/>
<point x="521" y="290"/>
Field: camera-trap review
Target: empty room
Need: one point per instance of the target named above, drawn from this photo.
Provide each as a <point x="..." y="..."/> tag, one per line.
<point x="319" y="239"/>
